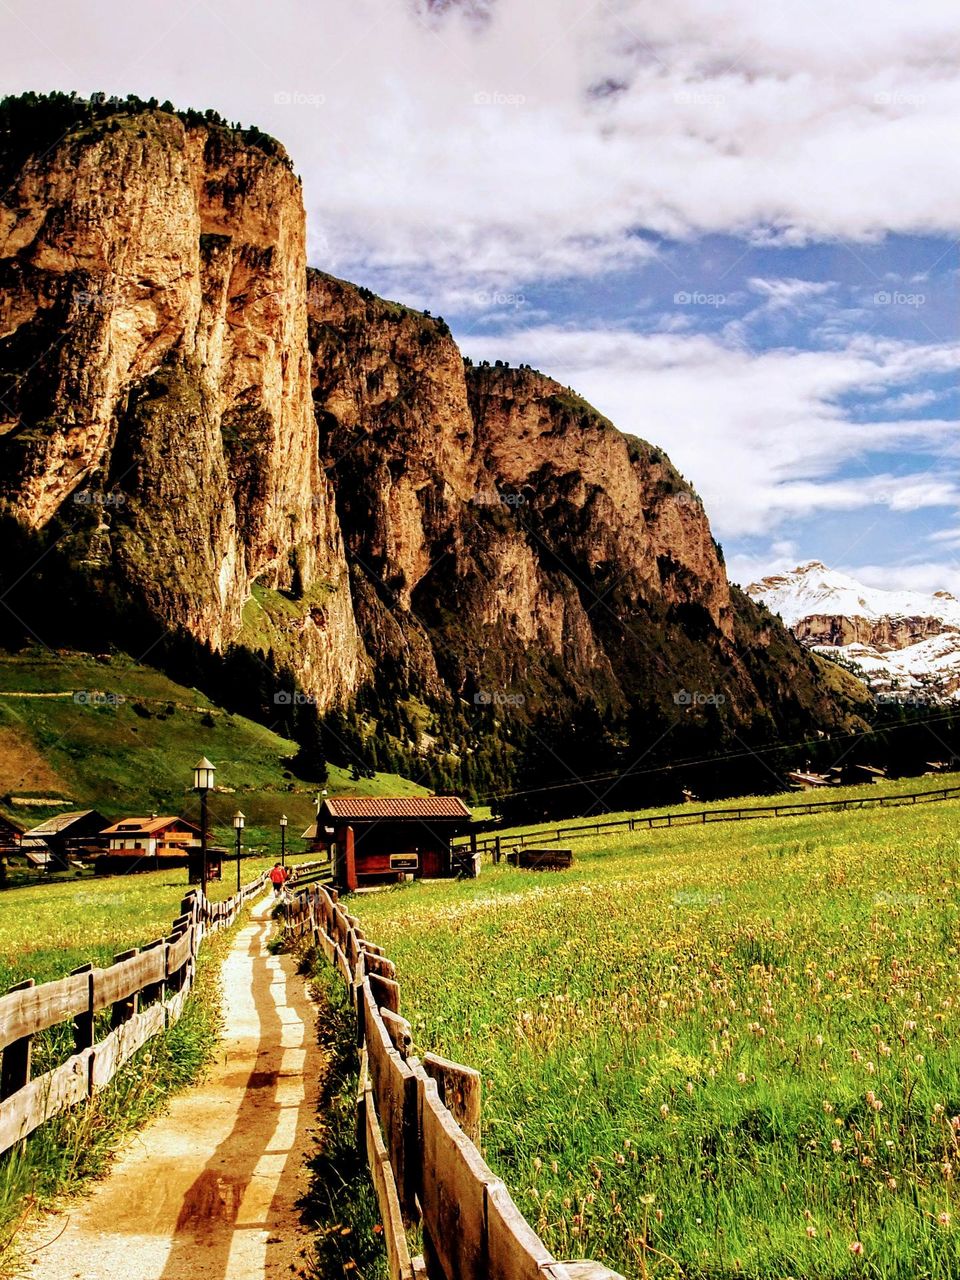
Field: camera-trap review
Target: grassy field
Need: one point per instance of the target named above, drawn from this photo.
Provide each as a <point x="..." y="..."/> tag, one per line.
<point x="720" y="1052"/>
<point x="49" y="928"/>
<point x="931" y="782"/>
<point x="130" y="744"/>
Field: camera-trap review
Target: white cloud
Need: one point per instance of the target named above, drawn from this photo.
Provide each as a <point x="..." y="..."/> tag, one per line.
<point x="456" y="154"/>
<point x="789" y="292"/>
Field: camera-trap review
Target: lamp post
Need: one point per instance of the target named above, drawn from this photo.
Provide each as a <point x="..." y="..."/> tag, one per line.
<point x="238" y="827"/>
<point x="283" y="839"/>
<point x="203" y="772"/>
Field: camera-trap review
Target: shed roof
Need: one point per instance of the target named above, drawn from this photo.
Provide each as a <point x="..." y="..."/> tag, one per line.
<point x="369" y="808"/>
<point x="54" y="826"/>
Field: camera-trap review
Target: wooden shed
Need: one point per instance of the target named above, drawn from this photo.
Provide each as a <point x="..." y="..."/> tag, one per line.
<point x="373" y="839"/>
<point x="77" y="833"/>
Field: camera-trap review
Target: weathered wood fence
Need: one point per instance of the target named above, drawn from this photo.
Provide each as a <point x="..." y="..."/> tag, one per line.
<point x="145" y="990"/>
<point x="418" y="1120"/>
<point x="499" y="845"/>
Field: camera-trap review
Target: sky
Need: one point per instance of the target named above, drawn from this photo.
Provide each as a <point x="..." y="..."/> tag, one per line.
<point x="732" y="226"/>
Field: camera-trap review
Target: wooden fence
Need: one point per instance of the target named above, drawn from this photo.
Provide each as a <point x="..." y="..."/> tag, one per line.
<point x="499" y="845"/>
<point x="419" y="1122"/>
<point x="145" y="990"/>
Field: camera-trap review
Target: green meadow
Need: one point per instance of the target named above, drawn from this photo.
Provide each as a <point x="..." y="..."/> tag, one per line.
<point x="728" y="1051"/>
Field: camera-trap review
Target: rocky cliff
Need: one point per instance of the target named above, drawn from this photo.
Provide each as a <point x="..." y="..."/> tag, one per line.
<point x="155" y="402"/>
<point x="509" y="545"/>
<point x="207" y="436"/>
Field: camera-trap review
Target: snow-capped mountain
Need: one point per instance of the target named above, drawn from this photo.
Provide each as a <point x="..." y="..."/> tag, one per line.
<point x="905" y="643"/>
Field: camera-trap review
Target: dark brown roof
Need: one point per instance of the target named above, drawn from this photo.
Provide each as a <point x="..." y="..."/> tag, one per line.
<point x="54" y="826"/>
<point x="348" y="808"/>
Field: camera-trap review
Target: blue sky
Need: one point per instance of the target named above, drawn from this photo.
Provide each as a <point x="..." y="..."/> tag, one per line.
<point x="732" y="227"/>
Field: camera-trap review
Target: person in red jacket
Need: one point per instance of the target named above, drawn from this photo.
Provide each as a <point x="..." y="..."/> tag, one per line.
<point x="278" y="877"/>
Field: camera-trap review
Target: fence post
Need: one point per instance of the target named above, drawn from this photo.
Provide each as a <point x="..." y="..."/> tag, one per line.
<point x="497" y="853"/>
<point x="83" y="1022"/>
<point x="15" y="1072"/>
<point x="123" y="1010"/>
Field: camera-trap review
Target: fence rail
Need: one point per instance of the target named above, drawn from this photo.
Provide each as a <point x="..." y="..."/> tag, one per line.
<point x="145" y="989"/>
<point x="419" y="1124"/>
<point x="499" y="845"/>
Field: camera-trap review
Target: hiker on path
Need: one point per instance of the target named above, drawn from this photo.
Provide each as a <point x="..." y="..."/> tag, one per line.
<point x="278" y="877"/>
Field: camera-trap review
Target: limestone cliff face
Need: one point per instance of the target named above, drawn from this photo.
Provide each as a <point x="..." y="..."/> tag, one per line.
<point x="504" y="538"/>
<point x="156" y="405"/>
<point x="886" y="633"/>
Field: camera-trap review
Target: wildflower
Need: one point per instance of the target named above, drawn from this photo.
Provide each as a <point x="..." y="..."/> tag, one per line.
<point x="620" y="1158"/>
<point x="943" y="1219"/>
<point x="664" y="1110"/>
<point x="811" y="1232"/>
<point x="836" y="1144"/>
<point x="828" y="1108"/>
<point x="659" y="1215"/>
<point x="538" y="1164"/>
<point x="856" y="1248"/>
<point x="891" y="1184"/>
<point x="818" y="1041"/>
<point x="741" y="1077"/>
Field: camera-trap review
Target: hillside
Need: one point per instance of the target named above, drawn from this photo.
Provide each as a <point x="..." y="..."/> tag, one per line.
<point x="120" y="737"/>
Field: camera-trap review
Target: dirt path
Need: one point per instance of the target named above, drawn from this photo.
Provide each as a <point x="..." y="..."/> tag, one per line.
<point x="209" y="1191"/>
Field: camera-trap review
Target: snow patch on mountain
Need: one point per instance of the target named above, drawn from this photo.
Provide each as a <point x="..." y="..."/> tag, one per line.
<point x="905" y="644"/>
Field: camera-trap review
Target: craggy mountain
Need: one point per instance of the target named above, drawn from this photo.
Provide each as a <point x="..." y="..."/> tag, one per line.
<point x="200" y="437"/>
<point x="905" y="644"/>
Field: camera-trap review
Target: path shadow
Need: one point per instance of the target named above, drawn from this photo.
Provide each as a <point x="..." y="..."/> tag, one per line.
<point x="231" y="1204"/>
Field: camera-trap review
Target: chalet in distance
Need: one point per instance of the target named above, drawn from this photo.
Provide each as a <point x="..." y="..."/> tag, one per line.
<point x="163" y="840"/>
<point x="374" y="839"/>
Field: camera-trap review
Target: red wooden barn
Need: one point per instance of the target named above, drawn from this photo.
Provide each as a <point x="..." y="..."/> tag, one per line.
<point x="375" y="839"/>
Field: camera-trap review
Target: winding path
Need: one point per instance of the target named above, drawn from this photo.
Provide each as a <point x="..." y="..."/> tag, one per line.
<point x="209" y="1190"/>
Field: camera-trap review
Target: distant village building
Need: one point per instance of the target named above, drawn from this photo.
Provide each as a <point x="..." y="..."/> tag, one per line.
<point x="75" y="833"/>
<point x="10" y="832"/>
<point x="153" y="836"/>
<point x="375" y="839"/>
<point x="141" y="843"/>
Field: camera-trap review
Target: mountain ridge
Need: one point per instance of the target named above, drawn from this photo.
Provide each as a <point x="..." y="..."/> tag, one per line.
<point x="202" y="437"/>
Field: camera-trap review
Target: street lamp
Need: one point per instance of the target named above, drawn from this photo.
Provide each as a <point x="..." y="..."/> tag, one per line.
<point x="238" y="827"/>
<point x="203" y="772"/>
<point x="283" y="839"/>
